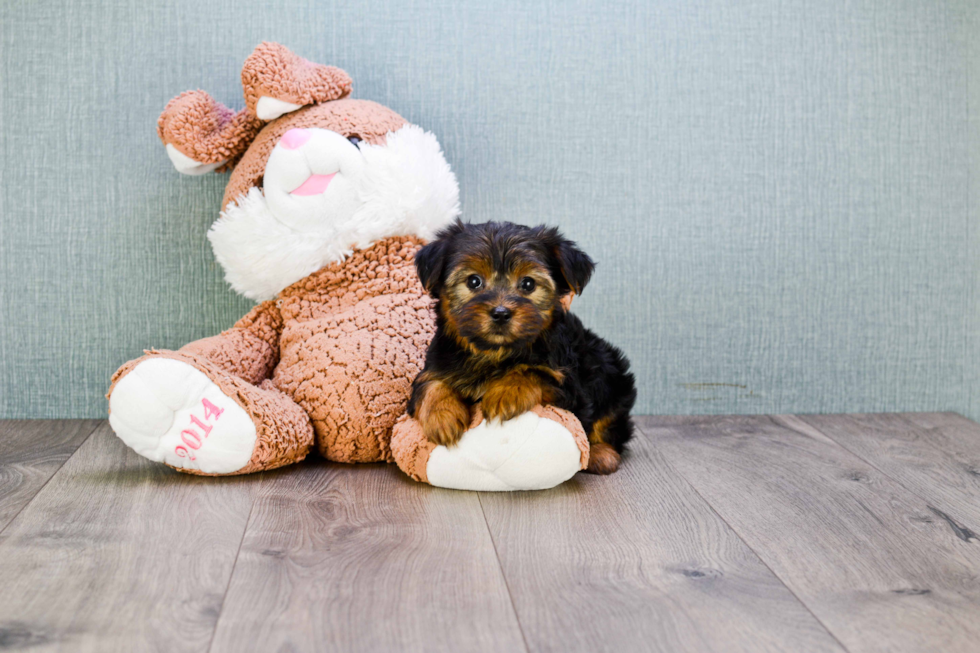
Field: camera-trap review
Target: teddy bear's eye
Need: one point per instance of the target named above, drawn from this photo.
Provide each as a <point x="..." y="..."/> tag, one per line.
<point x="527" y="284"/>
<point x="474" y="281"/>
<point x="355" y="141"/>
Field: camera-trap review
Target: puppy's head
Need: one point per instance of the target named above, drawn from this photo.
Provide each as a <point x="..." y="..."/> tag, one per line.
<point x="498" y="283"/>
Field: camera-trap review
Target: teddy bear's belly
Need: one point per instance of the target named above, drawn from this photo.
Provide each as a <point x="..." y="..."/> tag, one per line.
<point x="352" y="371"/>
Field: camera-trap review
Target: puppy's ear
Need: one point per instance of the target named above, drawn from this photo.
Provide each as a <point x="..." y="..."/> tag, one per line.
<point x="573" y="266"/>
<point x="430" y="261"/>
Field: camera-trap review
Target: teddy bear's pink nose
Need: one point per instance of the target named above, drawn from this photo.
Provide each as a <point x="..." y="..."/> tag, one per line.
<point x="295" y="138"/>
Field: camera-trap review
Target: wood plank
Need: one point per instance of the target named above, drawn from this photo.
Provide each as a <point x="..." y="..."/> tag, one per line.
<point x="935" y="455"/>
<point x="117" y="553"/>
<point x="31" y="451"/>
<point x="361" y="558"/>
<point x="867" y="556"/>
<point x="637" y="561"/>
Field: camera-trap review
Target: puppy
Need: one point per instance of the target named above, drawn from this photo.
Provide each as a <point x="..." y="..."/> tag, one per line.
<point x="504" y="339"/>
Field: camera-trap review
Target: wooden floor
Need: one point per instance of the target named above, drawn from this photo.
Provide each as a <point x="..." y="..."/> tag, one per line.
<point x="786" y="533"/>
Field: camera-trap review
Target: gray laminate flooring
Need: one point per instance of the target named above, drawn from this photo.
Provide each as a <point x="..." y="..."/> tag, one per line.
<point x="737" y="533"/>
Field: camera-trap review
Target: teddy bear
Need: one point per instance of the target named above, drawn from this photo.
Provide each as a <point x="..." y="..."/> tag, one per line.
<point x="328" y="200"/>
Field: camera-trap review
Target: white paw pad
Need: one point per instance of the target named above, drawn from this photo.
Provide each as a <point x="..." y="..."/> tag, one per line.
<point x="528" y="452"/>
<point x="170" y="412"/>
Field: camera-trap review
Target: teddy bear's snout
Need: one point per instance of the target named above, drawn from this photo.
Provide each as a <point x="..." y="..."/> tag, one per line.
<point x="304" y="153"/>
<point x="310" y="176"/>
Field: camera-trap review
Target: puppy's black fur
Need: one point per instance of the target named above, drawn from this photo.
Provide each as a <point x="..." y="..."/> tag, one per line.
<point x="504" y="338"/>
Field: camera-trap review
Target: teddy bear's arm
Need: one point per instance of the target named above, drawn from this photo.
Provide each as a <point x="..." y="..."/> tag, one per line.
<point x="537" y="450"/>
<point x="248" y="350"/>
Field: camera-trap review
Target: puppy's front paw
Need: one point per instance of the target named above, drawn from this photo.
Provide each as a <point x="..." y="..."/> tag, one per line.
<point x="511" y="396"/>
<point x="445" y="421"/>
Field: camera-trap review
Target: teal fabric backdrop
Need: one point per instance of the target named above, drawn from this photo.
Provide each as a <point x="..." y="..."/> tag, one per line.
<point x="782" y="195"/>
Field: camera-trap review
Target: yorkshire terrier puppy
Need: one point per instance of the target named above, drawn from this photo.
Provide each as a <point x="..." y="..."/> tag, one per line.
<point x="505" y="339"/>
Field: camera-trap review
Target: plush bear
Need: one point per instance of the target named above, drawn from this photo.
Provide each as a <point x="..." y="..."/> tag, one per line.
<point x="329" y="199"/>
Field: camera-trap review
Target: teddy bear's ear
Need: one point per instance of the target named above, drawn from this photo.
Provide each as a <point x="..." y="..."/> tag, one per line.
<point x="276" y="81"/>
<point x="202" y="135"/>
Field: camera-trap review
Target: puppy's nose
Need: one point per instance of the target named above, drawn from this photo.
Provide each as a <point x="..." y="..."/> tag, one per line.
<point x="501" y="314"/>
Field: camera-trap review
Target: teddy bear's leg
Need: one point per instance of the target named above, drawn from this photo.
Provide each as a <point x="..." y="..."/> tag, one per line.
<point x="534" y="451"/>
<point x="210" y="408"/>
<point x="183" y="411"/>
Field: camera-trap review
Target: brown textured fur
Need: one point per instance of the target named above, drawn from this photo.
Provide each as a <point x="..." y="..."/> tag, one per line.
<point x="272" y="70"/>
<point x="206" y="130"/>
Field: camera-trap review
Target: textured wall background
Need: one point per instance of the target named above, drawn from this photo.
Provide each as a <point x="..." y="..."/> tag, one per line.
<point x="782" y="195"/>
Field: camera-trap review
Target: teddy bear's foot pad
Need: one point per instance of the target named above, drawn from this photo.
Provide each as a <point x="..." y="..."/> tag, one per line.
<point x="170" y="412"/>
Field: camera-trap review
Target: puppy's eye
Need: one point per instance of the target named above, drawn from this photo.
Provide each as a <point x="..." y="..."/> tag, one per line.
<point x="528" y="284"/>
<point x="355" y="141"/>
<point x="474" y="281"/>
